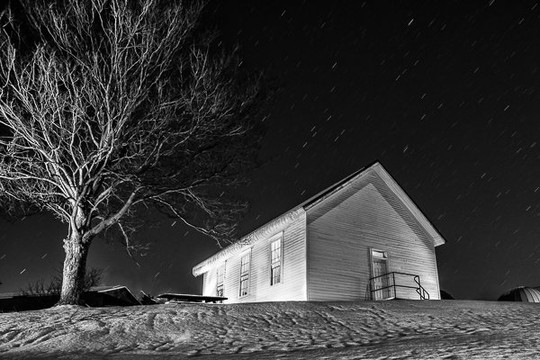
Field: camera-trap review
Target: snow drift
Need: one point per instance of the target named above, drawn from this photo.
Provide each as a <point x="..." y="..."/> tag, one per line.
<point x="293" y="330"/>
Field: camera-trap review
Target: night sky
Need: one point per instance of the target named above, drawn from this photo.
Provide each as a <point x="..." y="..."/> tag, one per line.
<point x="444" y="94"/>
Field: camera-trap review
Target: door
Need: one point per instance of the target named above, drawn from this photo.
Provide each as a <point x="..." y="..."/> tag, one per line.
<point x="379" y="269"/>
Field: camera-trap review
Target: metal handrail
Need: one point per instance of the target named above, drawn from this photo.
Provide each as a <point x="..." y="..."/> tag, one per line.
<point x="393" y="272"/>
<point x="422" y="293"/>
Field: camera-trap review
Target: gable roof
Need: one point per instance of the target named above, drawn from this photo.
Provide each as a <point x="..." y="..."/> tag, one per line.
<point x="392" y="185"/>
<point x="341" y="185"/>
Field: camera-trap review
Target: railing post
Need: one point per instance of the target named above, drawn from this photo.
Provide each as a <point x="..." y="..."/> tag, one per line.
<point x="394" y="284"/>
<point x="422" y="293"/>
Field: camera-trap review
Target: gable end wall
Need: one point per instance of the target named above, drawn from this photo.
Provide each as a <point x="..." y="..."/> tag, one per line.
<point x="342" y="229"/>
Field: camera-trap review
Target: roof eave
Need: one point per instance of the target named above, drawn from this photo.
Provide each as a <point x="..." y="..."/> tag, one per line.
<point x="246" y="241"/>
<point x="410" y="204"/>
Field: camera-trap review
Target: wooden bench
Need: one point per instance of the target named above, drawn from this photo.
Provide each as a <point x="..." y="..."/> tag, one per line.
<point x="191" y="298"/>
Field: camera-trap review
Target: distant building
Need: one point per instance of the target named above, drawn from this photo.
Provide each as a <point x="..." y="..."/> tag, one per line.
<point x="117" y="295"/>
<point x="522" y="293"/>
<point x="362" y="238"/>
<point x="97" y="296"/>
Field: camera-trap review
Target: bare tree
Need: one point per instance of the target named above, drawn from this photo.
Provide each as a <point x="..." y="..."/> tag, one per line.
<point x="108" y="107"/>
<point x="39" y="287"/>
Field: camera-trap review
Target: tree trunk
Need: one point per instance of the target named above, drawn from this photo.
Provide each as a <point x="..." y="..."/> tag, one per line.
<point x="74" y="270"/>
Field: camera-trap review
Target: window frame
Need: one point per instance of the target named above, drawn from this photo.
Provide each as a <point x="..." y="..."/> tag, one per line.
<point x="374" y="254"/>
<point x="278" y="238"/>
<point x="220" y="275"/>
<point x="245" y="277"/>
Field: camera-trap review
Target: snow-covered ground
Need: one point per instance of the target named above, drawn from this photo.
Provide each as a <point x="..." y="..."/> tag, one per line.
<point x="293" y="330"/>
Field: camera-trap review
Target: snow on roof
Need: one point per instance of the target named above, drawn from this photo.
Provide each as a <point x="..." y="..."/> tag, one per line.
<point x="292" y="214"/>
<point x="105" y="288"/>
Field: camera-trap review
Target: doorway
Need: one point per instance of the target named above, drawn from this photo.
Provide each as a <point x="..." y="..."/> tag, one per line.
<point x="380" y="284"/>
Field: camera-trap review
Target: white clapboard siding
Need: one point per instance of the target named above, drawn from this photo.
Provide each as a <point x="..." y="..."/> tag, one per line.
<point x="327" y="242"/>
<point x="293" y="280"/>
<point x="342" y="229"/>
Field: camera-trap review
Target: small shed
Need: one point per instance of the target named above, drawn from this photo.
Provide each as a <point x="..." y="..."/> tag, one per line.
<point x="118" y="295"/>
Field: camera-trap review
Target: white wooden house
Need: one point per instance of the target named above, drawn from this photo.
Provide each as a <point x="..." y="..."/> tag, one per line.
<point x="362" y="238"/>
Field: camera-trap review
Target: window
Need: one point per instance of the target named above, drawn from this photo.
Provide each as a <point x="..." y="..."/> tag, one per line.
<point x="275" y="268"/>
<point x="379" y="254"/>
<point x="220" y="280"/>
<point x="244" y="274"/>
